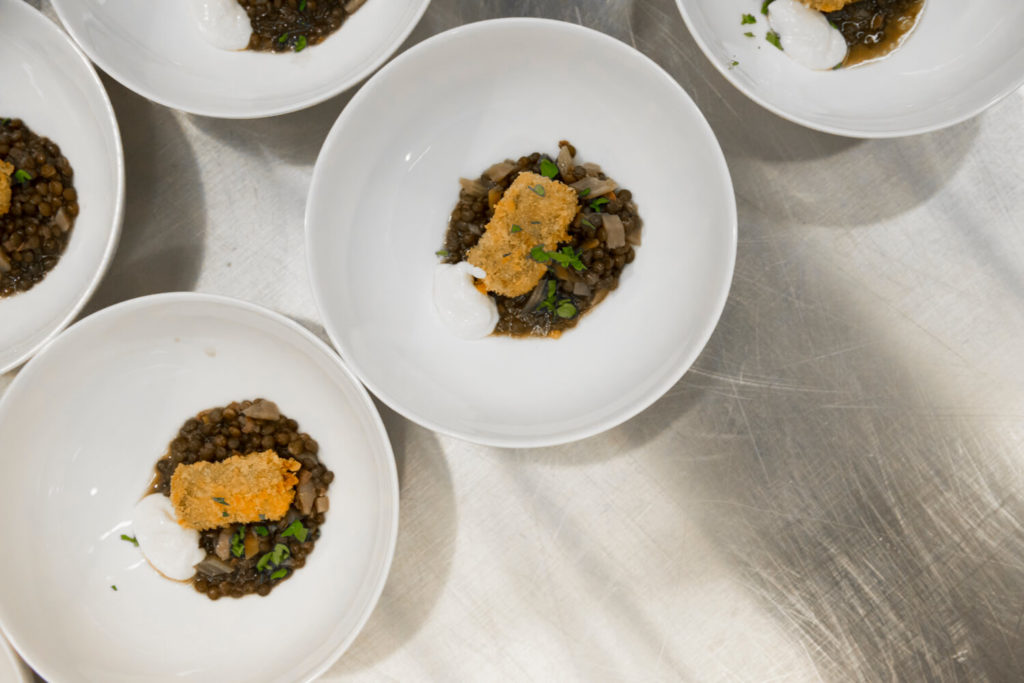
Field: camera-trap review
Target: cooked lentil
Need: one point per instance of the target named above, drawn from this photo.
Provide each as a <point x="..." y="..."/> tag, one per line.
<point x="44" y="205"/>
<point x="524" y="315"/>
<point x="292" y="25"/>
<point x="217" y="434"/>
<point x="874" y="28"/>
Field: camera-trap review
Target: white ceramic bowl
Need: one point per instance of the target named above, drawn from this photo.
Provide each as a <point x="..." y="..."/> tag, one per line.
<point x="962" y="58"/>
<point x="153" y="48"/>
<point x="12" y="669"/>
<point x="83" y="425"/>
<point x="386" y="182"/>
<point x="49" y="84"/>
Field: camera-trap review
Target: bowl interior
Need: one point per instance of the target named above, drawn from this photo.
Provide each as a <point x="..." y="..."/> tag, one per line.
<point x="48" y="84"/>
<point x="83" y="426"/>
<point x="387" y="180"/>
<point x="154" y="49"/>
<point x="961" y="58"/>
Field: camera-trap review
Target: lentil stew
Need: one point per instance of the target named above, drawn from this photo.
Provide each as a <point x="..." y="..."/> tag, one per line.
<point x="292" y="25"/>
<point x="874" y="28"/>
<point x="602" y="241"/>
<point x="36" y="228"/>
<point x="251" y="558"/>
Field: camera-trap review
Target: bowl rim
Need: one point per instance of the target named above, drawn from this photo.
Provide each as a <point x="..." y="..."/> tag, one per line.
<point x="257" y="113"/>
<point x="568" y="436"/>
<point x="119" y="201"/>
<point x="141" y="303"/>
<point x="840" y="130"/>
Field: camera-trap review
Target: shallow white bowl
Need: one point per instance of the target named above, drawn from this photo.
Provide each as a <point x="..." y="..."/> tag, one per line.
<point x="48" y="83"/>
<point x="153" y="48"/>
<point x="12" y="669"/>
<point x="83" y="425"/>
<point x="386" y="182"/>
<point x="962" y="58"/>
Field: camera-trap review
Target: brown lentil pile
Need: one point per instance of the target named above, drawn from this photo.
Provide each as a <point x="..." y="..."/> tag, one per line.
<point x="44" y="204"/>
<point x="252" y="558"/>
<point x="874" y="28"/>
<point x="292" y="25"/>
<point x="565" y="293"/>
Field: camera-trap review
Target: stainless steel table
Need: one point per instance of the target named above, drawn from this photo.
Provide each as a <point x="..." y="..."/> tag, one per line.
<point x="834" y="492"/>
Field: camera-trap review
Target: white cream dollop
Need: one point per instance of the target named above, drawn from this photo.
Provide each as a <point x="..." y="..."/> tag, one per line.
<point x="806" y="35"/>
<point x="222" y="23"/>
<point x="467" y="312"/>
<point x="172" y="549"/>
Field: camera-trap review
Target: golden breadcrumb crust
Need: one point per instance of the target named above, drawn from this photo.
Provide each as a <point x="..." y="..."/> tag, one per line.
<point x="239" y="489"/>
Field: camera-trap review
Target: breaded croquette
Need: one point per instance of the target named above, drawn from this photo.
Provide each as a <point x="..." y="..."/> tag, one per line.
<point x="239" y="489"/>
<point x="534" y="211"/>
<point x="6" y="170"/>
<point x="827" y="5"/>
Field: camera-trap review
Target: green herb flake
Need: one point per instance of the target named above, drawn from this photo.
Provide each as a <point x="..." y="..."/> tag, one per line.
<point x="279" y="574"/>
<point x="131" y="539"/>
<point x="584" y="192"/>
<point x="516" y="228"/>
<point x="748" y="34"/>
<point x="439" y="252"/>
<point x="764" y="6"/>
<point x="300" y="44"/>
<point x="297" y="531"/>
<point x="549" y="302"/>
<point x="21" y="176"/>
<point x="224" y="514"/>
<point x="113" y="587"/>
<point x="283" y="38"/>
<point x="773" y="38"/>
<point x="539" y="255"/>
<point x="264" y="560"/>
<point x="217" y="499"/>
<point x="260" y="531"/>
<point x="598" y="203"/>
<point x="588" y="224"/>
<point x="548" y="168"/>
<point x="565" y="309"/>
<point x="539" y="189"/>
<point x="748" y="19"/>
<point x="302" y="6"/>
<point x="238" y="542"/>
<point x="5" y="122"/>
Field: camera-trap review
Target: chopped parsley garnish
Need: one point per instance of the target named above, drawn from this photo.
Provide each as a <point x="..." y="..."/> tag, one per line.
<point x="549" y="302"/>
<point x="5" y="122"/>
<point x="217" y="499"/>
<point x="275" y="557"/>
<point x="279" y="574"/>
<point x="260" y="530"/>
<point x="748" y="19"/>
<point x="21" y="176"/>
<point x="598" y="203"/>
<point x="584" y="192"/>
<point x="565" y="309"/>
<point x="439" y="252"/>
<point x="548" y="169"/>
<point x="539" y="189"/>
<point x="224" y="514"/>
<point x="588" y="224"/>
<point x="764" y="6"/>
<point x="300" y="44"/>
<point x="516" y="228"/>
<point x="238" y="542"/>
<point x="131" y="539"/>
<point x="302" y="6"/>
<point x="734" y="64"/>
<point x="773" y="38"/>
<point x="748" y="34"/>
<point x="112" y="586"/>
<point x="283" y="38"/>
<point x="565" y="257"/>
<point x="296" y="530"/>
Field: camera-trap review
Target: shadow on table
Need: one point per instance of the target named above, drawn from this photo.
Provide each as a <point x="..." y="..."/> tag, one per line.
<point x="426" y="543"/>
<point x="161" y="245"/>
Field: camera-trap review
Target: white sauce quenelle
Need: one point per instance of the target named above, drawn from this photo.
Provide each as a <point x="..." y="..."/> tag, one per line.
<point x="222" y="23"/>
<point x="169" y="547"/>
<point x="806" y="35"/>
<point x="467" y="312"/>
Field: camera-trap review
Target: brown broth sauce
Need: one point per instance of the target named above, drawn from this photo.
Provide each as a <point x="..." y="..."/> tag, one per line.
<point x="874" y="28"/>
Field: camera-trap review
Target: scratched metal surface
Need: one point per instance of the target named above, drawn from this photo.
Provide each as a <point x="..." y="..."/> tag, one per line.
<point x="834" y="492"/>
